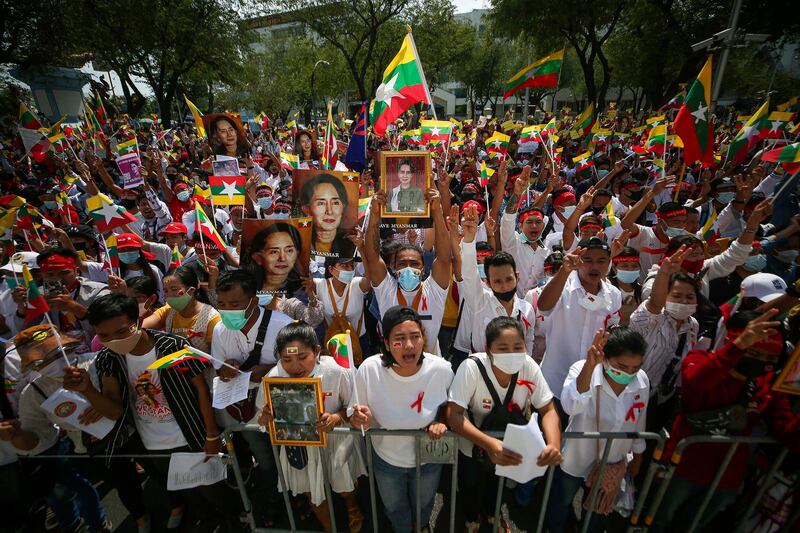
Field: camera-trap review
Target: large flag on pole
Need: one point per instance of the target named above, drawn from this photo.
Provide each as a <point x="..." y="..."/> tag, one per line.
<point x="206" y="227"/>
<point x="198" y="117"/>
<point x="356" y="156"/>
<point x="37" y="305"/>
<point x="403" y="86"/>
<point x="748" y="136"/>
<point x="330" y="146"/>
<point x="27" y="119"/>
<point x="542" y="73"/>
<point x="693" y="124"/>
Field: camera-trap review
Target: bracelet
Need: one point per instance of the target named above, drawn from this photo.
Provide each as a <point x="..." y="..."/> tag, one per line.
<point x="212" y="439"/>
<point x="748" y="230"/>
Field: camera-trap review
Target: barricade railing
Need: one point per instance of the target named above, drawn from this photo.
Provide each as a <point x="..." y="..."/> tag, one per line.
<point x="445" y="450"/>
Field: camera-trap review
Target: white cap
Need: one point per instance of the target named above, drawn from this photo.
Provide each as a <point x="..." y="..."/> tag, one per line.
<point x="765" y="287"/>
<point x="21" y="258"/>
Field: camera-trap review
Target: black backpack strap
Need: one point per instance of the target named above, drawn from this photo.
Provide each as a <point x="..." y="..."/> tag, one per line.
<point x="495" y="396"/>
<point x="255" y="354"/>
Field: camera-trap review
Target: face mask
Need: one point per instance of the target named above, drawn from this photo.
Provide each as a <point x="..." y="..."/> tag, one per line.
<point x="636" y="195"/>
<point x="183" y="196"/>
<point x="123" y="346"/>
<point x="753" y="368"/>
<point x="628" y="276"/>
<point x="265" y="202"/>
<point x="505" y="296"/>
<point x="726" y="197"/>
<point x="482" y="271"/>
<point x="54" y="369"/>
<point x="179" y="303"/>
<point x="408" y="278"/>
<point x="602" y="173"/>
<point x="693" y="267"/>
<point x="346" y="276"/>
<point x="674" y="232"/>
<point x="598" y="210"/>
<point x="523" y="238"/>
<point x="510" y="363"/>
<point x="786" y="256"/>
<point x="129" y="258"/>
<point x="755" y="263"/>
<point x="264" y="299"/>
<point x="234" y="319"/>
<point x="50" y="204"/>
<point x="618" y="376"/>
<point x="568" y="210"/>
<point x="680" y="311"/>
<point x="590" y="302"/>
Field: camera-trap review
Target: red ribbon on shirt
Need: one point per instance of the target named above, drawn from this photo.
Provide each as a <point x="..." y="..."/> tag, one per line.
<point x="418" y="403"/>
<point x="525" y="321"/>
<point x="512" y="406"/>
<point x="193" y="334"/>
<point x="526" y="383"/>
<point x="424" y="303"/>
<point x="631" y="413"/>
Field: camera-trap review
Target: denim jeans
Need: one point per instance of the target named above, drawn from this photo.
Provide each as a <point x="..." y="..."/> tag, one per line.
<point x="398" y="489"/>
<point x="685" y="496"/>
<point x="559" y="507"/>
<point x="73" y="496"/>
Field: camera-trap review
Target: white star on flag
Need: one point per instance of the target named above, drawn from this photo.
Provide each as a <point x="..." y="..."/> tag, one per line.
<point x="582" y="162"/>
<point x="601" y="137"/>
<point x="229" y="190"/>
<point x="109" y="212"/>
<point x="496" y="143"/>
<point x="748" y="132"/>
<point x="700" y="113"/>
<point x="386" y="91"/>
<point x="435" y="131"/>
<point x="775" y="125"/>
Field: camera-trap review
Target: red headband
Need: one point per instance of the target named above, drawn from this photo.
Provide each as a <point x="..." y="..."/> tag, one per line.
<point x="630" y="186"/>
<point x="57" y="262"/>
<point x="671" y="214"/>
<point x="531" y="213"/>
<point x="564" y="198"/>
<point x="485" y="253"/>
<point x="592" y="225"/>
<point x="626" y="259"/>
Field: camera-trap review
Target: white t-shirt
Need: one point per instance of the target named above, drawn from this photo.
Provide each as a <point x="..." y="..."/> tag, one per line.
<point x="430" y="307"/>
<point x="469" y="391"/>
<point x="233" y="344"/>
<point x="154" y="419"/>
<point x="398" y="402"/>
<point x="355" y="305"/>
<point x="651" y="248"/>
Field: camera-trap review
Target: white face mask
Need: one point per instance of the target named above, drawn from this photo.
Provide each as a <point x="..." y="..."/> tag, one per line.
<point x="510" y="363"/>
<point x="593" y="302"/>
<point x="680" y="311"/>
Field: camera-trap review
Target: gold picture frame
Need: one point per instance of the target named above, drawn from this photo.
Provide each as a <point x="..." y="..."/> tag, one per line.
<point x="789" y="379"/>
<point x="296" y="406"/>
<point x="405" y="206"/>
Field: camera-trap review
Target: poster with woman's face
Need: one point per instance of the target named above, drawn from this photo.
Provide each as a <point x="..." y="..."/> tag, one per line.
<point x="331" y="200"/>
<point x="274" y="250"/>
<point x="226" y="134"/>
<point x="405" y="176"/>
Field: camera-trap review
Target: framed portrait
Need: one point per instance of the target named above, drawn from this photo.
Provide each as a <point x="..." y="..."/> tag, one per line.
<point x="226" y="134"/>
<point x="277" y="252"/>
<point x="296" y="406"/>
<point x="330" y="199"/>
<point x="223" y="165"/>
<point x="789" y="379"/>
<point x="405" y="176"/>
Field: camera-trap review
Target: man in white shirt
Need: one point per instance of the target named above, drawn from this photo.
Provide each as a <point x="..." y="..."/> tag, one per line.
<point x="580" y="301"/>
<point x="497" y="298"/>
<point x="405" y="286"/>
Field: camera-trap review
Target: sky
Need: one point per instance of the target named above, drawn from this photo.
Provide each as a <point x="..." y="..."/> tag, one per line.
<point x="468" y="5"/>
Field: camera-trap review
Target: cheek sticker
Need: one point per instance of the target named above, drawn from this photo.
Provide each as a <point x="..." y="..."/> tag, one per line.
<point x="397" y="344"/>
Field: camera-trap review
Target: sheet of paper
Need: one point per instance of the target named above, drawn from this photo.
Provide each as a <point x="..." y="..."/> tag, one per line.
<point x="229" y="392"/>
<point x="529" y="443"/>
<point x="187" y="470"/>
<point x="68" y="405"/>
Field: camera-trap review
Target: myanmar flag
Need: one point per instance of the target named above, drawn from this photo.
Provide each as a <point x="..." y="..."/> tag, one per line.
<point x="583" y="161"/>
<point x="412" y="136"/>
<point x="435" y="130"/>
<point x="127" y="147"/>
<point x="227" y="190"/>
<point x="531" y="134"/>
<point x="708" y="230"/>
<point x="37" y="305"/>
<point x="198" y="117"/>
<point x="776" y="124"/>
<point x="27" y="119"/>
<point x="113" y="252"/>
<point x="201" y="195"/>
<point x="542" y="73"/>
<point x="788" y="155"/>
<point x="749" y="135"/>
<point x="339" y="348"/>
<point x="486" y="173"/>
<point x="403" y="86"/>
<point x="106" y="214"/>
<point x="176" y="258"/>
<point x="176" y="358"/>
<point x="583" y="124"/>
<point x="363" y="206"/>
<point x="657" y="139"/>
<point x="289" y="161"/>
<point x="206" y="228"/>
<point x="457" y="146"/>
<point x="498" y="143"/>
<point x="693" y="124"/>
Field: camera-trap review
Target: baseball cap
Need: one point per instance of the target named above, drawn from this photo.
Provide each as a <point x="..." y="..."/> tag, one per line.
<point x="765" y="287"/>
<point x="129" y="240"/>
<point x="174" y="228"/>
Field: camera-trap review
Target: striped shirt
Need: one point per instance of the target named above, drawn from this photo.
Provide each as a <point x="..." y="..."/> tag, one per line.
<point x="179" y="391"/>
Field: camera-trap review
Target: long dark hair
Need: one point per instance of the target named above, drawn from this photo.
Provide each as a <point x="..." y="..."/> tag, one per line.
<point x="188" y="278"/>
<point x="241" y="138"/>
<point x="257" y="245"/>
<point x="315" y="156"/>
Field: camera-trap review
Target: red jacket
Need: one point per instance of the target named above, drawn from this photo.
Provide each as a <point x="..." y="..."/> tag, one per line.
<point x="707" y="384"/>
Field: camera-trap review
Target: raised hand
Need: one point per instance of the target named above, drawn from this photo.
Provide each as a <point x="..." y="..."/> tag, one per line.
<point x="595" y="354"/>
<point x="620" y="242"/>
<point x="662" y="183"/>
<point x="672" y="264"/>
<point x="469" y="223"/>
<point x="573" y="261"/>
<point x="757" y="330"/>
<point x="761" y="211"/>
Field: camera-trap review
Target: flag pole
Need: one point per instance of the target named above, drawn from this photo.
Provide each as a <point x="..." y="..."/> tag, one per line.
<point x="352" y="365"/>
<point x="421" y="71"/>
<point x="58" y="337"/>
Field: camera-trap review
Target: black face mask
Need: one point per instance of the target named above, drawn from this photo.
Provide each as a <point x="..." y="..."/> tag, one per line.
<point x="636" y="195"/>
<point x="598" y="210"/>
<point x="753" y="368"/>
<point x="505" y="296"/>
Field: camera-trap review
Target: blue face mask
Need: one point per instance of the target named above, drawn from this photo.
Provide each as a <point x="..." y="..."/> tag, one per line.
<point x="233" y="319"/>
<point x="50" y="204"/>
<point x="482" y="271"/>
<point x="408" y="278"/>
<point x="602" y="173"/>
<point x="129" y="258"/>
<point x="755" y="263"/>
<point x="628" y="276"/>
<point x="618" y="376"/>
<point x="568" y="210"/>
<point x="265" y="202"/>
<point x="726" y="197"/>
<point x="264" y="299"/>
<point x="674" y="232"/>
<point x="346" y="276"/>
<point x="183" y="196"/>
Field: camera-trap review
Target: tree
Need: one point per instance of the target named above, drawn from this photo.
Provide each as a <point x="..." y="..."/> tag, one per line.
<point x="162" y="41"/>
<point x="585" y="26"/>
<point x="30" y="31"/>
